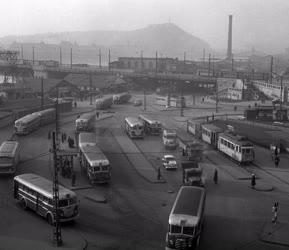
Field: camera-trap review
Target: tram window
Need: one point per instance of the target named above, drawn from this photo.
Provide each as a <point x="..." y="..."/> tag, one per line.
<point x="188" y="230"/>
<point x="247" y="150"/>
<point x="176" y="229"/>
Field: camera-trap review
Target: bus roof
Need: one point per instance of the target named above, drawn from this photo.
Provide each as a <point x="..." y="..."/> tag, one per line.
<point x="236" y="140"/>
<point x="8" y="148"/>
<point x="211" y="127"/>
<point x="133" y="121"/>
<point x="86" y="138"/>
<point x="94" y="156"/>
<point x="28" y="118"/>
<point x="148" y="119"/>
<point x="188" y="206"/>
<point x="45" y="111"/>
<point x="43" y="185"/>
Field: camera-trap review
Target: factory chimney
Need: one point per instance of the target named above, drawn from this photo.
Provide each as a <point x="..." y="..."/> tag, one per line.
<point x="229" y="49"/>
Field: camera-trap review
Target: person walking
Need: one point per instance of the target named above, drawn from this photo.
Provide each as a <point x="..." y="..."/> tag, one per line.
<point x="277" y="160"/>
<point x="159" y="174"/>
<point x="73" y="179"/>
<point x="275" y="212"/>
<point x="253" y="181"/>
<point x="216" y="176"/>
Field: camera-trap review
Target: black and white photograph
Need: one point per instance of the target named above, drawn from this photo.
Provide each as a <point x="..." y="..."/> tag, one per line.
<point x="144" y="125"/>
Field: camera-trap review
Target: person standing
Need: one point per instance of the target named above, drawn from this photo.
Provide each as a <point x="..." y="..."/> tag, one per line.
<point x="159" y="174"/>
<point x="216" y="176"/>
<point x="73" y="179"/>
<point x="253" y="181"/>
<point x="277" y="160"/>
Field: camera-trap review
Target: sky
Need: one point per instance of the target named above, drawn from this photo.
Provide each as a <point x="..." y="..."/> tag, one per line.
<point x="258" y="23"/>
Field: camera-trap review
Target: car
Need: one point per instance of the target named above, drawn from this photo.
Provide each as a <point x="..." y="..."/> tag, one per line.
<point x="137" y="102"/>
<point x="169" y="162"/>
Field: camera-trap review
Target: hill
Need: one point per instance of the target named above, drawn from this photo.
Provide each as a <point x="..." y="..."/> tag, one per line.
<point x="168" y="39"/>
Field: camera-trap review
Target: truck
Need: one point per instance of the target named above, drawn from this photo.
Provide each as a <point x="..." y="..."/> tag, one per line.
<point x="191" y="149"/>
<point x="169" y="138"/>
<point x="192" y="174"/>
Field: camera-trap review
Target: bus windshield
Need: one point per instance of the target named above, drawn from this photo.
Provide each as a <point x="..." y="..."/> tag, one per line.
<point x="6" y="160"/>
<point x="67" y="202"/>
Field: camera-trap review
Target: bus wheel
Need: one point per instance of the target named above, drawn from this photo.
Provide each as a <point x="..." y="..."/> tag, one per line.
<point x="23" y="204"/>
<point x="49" y="219"/>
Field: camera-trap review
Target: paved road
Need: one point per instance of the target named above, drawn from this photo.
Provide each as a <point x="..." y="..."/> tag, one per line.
<point x="136" y="213"/>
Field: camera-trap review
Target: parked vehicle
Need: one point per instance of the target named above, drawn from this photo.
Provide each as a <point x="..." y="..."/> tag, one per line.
<point x="9" y="157"/>
<point x="134" y="127"/>
<point x="151" y="126"/>
<point x="85" y="122"/>
<point x="191" y="149"/>
<point x="137" y="102"/>
<point x="36" y="193"/>
<point x="169" y="162"/>
<point x="192" y="174"/>
<point x="169" y="138"/>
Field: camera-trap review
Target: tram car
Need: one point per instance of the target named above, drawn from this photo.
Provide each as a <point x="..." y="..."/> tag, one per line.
<point x="121" y="98"/>
<point x="238" y="148"/>
<point x="104" y="103"/>
<point x="85" y="122"/>
<point x="210" y="134"/>
<point x="47" y="116"/>
<point x="194" y="127"/>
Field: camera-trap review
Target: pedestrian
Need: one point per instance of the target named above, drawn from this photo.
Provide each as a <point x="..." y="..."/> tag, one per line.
<point x="62" y="137"/>
<point x="213" y="117"/>
<point x="216" y="176"/>
<point x="73" y="179"/>
<point x="235" y="108"/>
<point x="97" y="114"/>
<point x="253" y="181"/>
<point x="277" y="160"/>
<point x="159" y="173"/>
<point x="276" y="151"/>
<point x="75" y="104"/>
<point x="275" y="212"/>
<point x="49" y="135"/>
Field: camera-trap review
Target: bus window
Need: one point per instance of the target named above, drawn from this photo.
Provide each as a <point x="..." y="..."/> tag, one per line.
<point x="188" y="230"/>
<point x="176" y="229"/>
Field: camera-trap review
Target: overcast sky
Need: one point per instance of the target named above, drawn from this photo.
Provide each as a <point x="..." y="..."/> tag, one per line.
<point x="262" y="23"/>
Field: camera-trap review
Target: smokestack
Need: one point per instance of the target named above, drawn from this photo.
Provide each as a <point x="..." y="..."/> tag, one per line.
<point x="229" y="50"/>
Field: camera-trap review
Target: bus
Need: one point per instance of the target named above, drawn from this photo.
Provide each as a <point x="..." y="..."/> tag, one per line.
<point x="36" y="193"/>
<point x="86" y="139"/>
<point x="95" y="163"/>
<point x="186" y="218"/>
<point x="9" y="157"/>
<point x="134" y="127"/>
<point x="151" y="126"/>
<point x="85" y="122"/>
<point x="27" y="124"/>
<point x="169" y="138"/>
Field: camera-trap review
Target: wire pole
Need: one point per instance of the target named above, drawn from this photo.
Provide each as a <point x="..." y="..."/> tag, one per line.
<point x="57" y="229"/>
<point x="141" y="59"/>
<point x="90" y="88"/>
<point x="42" y="94"/>
<point x="169" y="95"/>
<point x="109" y="60"/>
<point x="156" y="62"/>
<point x="56" y="116"/>
<point x="271" y="69"/>
<point x="182" y="103"/>
<point x="71" y="58"/>
<point x="22" y="51"/>
<point x="281" y="93"/>
<point x="99" y="55"/>
<point x="144" y="100"/>
<point x="60" y="56"/>
<point x="217" y="97"/>
<point x="209" y="70"/>
<point x="33" y="55"/>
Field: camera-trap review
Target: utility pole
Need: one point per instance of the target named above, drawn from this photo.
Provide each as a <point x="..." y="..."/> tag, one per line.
<point x="90" y="88"/>
<point x="57" y="229"/>
<point x="209" y="70"/>
<point x="108" y="59"/>
<point x="71" y="57"/>
<point x="169" y="95"/>
<point x="182" y="102"/>
<point x="184" y="61"/>
<point x="281" y="94"/>
<point x="271" y="69"/>
<point x="56" y="116"/>
<point x="33" y="55"/>
<point x="232" y="64"/>
<point x="144" y="100"/>
<point x="204" y="56"/>
<point x="141" y="60"/>
<point x="156" y="62"/>
<point x="60" y="56"/>
<point x="42" y="94"/>
<point x="217" y="97"/>
<point x="21" y="51"/>
<point x="99" y="55"/>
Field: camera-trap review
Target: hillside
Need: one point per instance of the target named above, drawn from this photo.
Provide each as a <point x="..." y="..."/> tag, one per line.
<point x="168" y="39"/>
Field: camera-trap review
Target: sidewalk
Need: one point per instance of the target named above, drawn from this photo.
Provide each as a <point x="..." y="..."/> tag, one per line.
<point x="71" y="242"/>
<point x="276" y="233"/>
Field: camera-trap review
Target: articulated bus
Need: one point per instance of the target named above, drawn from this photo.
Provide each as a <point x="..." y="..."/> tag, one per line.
<point x="9" y="157"/>
<point x="134" y="127"/>
<point x="36" y="193"/>
<point x="151" y="126"/>
<point x="186" y="218"/>
<point x="85" y="122"/>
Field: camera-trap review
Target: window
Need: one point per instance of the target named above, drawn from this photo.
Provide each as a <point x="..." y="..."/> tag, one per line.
<point x="188" y="230"/>
<point x="63" y="203"/>
<point x="176" y="229"/>
<point x="248" y="150"/>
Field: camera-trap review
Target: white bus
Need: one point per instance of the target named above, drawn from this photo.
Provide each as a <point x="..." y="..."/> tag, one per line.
<point x="85" y="122"/>
<point x="9" y="157"/>
<point x="95" y="163"/>
<point x="186" y="218"/>
<point x="169" y="138"/>
<point x="151" y="126"/>
<point x="86" y="139"/>
<point x="47" y="116"/>
<point x="27" y="124"/>
<point x="36" y="193"/>
<point x="134" y="127"/>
